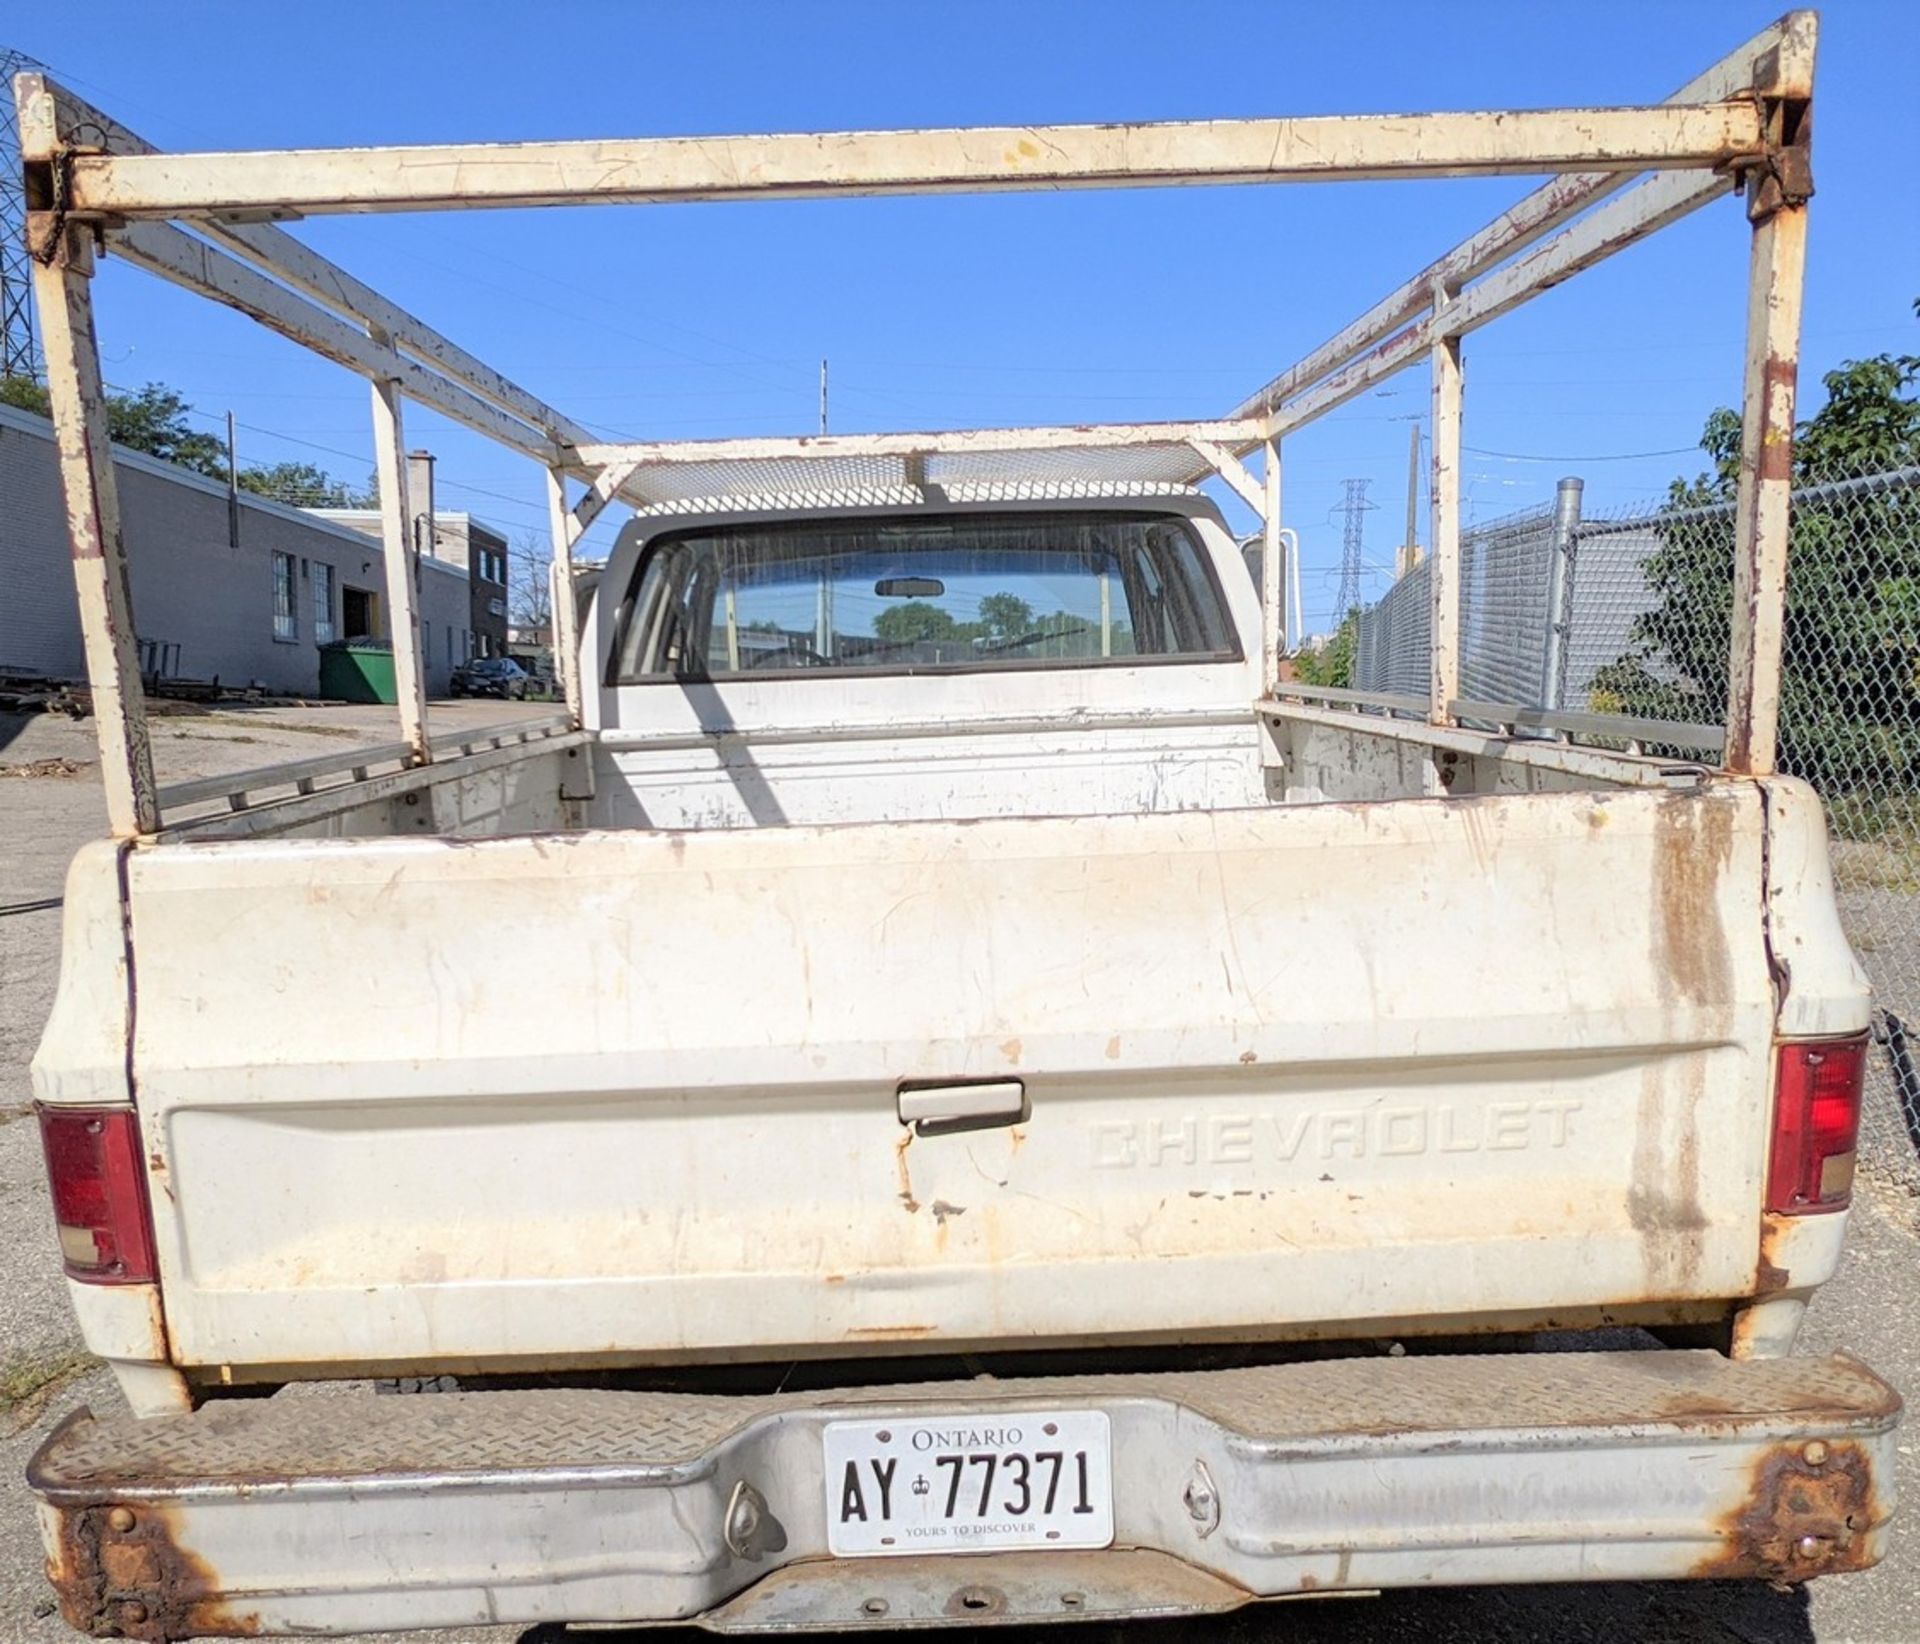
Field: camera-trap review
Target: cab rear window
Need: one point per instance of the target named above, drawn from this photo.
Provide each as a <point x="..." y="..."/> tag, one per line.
<point x="921" y="594"/>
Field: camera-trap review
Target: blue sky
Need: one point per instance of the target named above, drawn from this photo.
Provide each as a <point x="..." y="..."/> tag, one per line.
<point x="710" y="320"/>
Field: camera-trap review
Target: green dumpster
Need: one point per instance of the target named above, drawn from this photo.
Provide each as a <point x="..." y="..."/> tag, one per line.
<point x="357" y="670"/>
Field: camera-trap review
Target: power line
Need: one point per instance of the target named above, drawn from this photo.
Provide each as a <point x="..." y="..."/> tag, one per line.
<point x="1622" y="456"/>
<point x="351" y="456"/>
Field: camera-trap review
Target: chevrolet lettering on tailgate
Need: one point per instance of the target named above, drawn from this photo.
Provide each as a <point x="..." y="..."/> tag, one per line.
<point x="1355" y="1133"/>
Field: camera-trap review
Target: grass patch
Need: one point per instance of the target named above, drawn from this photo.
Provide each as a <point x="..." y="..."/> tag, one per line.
<point x="28" y="1381"/>
<point x="1889" y="863"/>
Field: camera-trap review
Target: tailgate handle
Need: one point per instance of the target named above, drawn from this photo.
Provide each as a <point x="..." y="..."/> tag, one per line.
<point x="939" y="1110"/>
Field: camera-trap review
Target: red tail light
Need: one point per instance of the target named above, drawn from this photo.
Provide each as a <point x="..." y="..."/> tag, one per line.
<point x="1816" y="1122"/>
<point x="99" y="1193"/>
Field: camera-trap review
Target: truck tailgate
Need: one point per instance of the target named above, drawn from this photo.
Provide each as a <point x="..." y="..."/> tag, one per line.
<point x="568" y="1097"/>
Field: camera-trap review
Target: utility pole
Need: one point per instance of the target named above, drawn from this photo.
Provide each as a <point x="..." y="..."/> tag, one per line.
<point x="233" y="488"/>
<point x="19" y="354"/>
<point x="823" y="396"/>
<point x="1410" y="543"/>
<point x="1355" y="509"/>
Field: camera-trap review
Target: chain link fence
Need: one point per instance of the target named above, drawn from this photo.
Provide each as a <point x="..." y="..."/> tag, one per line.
<point x="1508" y="649"/>
<point x="1505" y="569"/>
<point x="1390" y="644"/>
<point x="1630" y="612"/>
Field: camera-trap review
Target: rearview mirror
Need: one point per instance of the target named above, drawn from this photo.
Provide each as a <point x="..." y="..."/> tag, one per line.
<point x="909" y="587"/>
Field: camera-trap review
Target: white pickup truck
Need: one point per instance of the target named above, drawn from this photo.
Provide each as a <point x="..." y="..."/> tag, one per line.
<point x="943" y="1090"/>
<point x="944" y="1102"/>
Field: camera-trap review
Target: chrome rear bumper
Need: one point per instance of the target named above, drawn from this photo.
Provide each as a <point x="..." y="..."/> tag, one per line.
<point x="362" y="1514"/>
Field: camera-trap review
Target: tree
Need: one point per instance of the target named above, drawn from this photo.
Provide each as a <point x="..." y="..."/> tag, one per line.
<point x="152" y="419"/>
<point x="913" y="622"/>
<point x="529" y="587"/>
<point x="1850" y="690"/>
<point x="1331" y="664"/>
<point x="1005" y="616"/>
<point x="303" y="484"/>
<point x="24" y="394"/>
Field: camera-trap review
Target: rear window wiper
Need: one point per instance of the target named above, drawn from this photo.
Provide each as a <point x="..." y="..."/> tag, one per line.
<point x="1035" y="637"/>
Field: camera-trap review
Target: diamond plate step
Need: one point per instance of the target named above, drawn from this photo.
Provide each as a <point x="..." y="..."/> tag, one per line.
<point x="487" y="1433"/>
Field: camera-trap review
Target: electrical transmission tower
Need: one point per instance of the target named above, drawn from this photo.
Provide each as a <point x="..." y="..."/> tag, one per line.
<point x="19" y="357"/>
<point x="1355" y="509"/>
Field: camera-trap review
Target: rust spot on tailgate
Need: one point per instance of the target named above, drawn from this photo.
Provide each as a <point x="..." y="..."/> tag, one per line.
<point x="1693" y="840"/>
<point x="906" y="1176"/>
<point x="1663" y="1198"/>
<point x="121" y="1572"/>
<point x="1811" y="1509"/>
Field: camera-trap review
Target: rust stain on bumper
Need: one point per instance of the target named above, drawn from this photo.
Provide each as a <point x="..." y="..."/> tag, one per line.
<point x="1769" y="1276"/>
<point x="1811" y="1510"/>
<point x="120" y="1573"/>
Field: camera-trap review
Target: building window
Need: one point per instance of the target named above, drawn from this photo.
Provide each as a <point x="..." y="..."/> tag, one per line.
<point x="449" y="647"/>
<point x="286" y="611"/>
<point x="324" y="631"/>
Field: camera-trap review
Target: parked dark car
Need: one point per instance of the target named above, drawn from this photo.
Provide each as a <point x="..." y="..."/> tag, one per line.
<point x="497" y="676"/>
<point x="539" y="672"/>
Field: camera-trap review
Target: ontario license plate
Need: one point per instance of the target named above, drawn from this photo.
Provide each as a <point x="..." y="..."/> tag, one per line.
<point x="969" y="1483"/>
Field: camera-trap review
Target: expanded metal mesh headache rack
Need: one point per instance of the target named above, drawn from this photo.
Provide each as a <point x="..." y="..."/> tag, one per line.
<point x="906" y="479"/>
<point x="1616" y="175"/>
